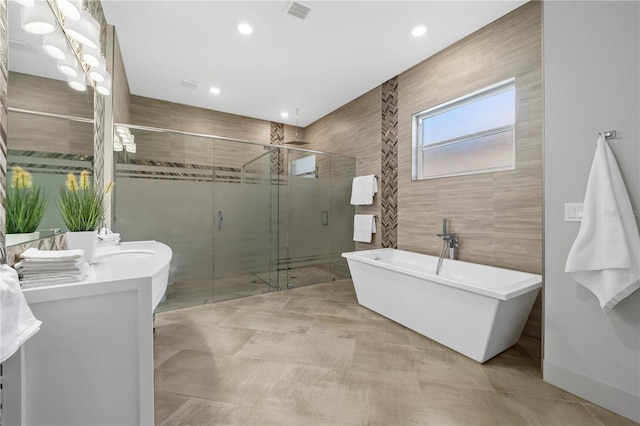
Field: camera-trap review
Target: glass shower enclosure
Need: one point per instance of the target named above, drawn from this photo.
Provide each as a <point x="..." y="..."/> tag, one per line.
<point x="241" y="218"/>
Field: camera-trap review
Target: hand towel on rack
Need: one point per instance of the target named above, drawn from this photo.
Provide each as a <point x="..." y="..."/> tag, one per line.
<point x="605" y="257"/>
<point x="17" y="323"/>
<point x="363" y="226"/>
<point x="363" y="189"/>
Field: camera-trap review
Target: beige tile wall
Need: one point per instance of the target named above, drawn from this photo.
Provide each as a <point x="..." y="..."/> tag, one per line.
<point x="34" y="133"/>
<point x="168" y="115"/>
<point x="354" y="130"/>
<point x="44" y="134"/>
<point x="193" y="150"/>
<point x="53" y="96"/>
<point x="498" y="216"/>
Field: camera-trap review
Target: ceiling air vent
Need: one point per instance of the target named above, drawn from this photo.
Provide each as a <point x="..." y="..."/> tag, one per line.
<point x="297" y="9"/>
<point x="190" y="84"/>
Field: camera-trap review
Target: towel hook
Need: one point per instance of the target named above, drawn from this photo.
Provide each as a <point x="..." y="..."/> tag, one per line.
<point x="608" y="134"/>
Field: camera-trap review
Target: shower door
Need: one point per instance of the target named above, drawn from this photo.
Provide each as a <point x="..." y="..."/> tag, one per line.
<point x="308" y="231"/>
<point x="163" y="193"/>
<point x="242" y="213"/>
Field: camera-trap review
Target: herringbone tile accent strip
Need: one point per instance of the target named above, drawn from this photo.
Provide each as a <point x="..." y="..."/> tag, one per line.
<point x="277" y="157"/>
<point x="4" y="48"/>
<point x="389" y="164"/>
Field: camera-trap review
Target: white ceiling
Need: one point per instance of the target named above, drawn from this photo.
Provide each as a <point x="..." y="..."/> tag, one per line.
<point x="341" y="50"/>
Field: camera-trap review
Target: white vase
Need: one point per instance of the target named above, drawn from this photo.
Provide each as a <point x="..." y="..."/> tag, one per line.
<point x="85" y="240"/>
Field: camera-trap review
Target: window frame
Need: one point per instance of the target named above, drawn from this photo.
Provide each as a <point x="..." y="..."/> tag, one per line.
<point x="418" y="148"/>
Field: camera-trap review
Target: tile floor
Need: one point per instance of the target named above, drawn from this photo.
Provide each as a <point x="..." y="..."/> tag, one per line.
<point x="313" y="356"/>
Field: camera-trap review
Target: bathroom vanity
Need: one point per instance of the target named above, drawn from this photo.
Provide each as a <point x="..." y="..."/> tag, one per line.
<point x="91" y="363"/>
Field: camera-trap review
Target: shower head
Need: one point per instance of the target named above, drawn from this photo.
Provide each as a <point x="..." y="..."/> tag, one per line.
<point x="296" y="141"/>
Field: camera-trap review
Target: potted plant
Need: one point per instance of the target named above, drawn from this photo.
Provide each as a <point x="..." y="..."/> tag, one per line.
<point x="82" y="208"/>
<point x="26" y="204"/>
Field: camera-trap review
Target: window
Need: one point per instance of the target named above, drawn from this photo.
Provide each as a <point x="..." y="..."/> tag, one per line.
<point x="471" y="134"/>
<point x="304" y="166"/>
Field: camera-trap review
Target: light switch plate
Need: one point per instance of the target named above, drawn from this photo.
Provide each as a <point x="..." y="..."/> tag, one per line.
<point x="573" y="212"/>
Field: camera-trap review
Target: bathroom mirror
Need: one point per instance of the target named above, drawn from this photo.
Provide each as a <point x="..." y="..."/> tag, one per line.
<point x="50" y="124"/>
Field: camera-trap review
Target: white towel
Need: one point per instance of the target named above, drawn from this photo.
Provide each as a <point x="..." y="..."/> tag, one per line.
<point x="17" y="323"/>
<point x="363" y="189"/>
<point x="52" y="255"/>
<point x="605" y="257"/>
<point x="363" y="226"/>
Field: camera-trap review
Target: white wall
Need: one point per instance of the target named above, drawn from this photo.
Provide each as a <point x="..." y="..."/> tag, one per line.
<point x="591" y="67"/>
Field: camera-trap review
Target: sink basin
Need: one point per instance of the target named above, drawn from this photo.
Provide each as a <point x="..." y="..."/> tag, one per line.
<point x="136" y="259"/>
<point x="127" y="255"/>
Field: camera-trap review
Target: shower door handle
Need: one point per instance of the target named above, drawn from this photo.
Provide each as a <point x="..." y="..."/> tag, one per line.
<point x="219" y="219"/>
<point x="325" y="217"/>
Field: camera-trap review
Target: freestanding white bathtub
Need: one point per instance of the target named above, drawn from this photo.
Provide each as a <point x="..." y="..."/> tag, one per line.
<point x="474" y="309"/>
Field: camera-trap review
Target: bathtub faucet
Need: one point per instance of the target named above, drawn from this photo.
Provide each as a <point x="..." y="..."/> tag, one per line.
<point x="446" y="236"/>
<point x="448" y="239"/>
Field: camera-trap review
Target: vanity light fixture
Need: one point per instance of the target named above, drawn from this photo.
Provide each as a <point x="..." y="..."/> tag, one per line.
<point x="98" y="73"/>
<point x="126" y="138"/>
<point x="55" y="44"/>
<point x="104" y="87"/>
<point x="78" y="83"/>
<point x="70" y="8"/>
<point x="85" y="30"/>
<point x="214" y="90"/>
<point x="418" y="31"/>
<point x="38" y="19"/>
<point x="245" y="28"/>
<point x="68" y="66"/>
<point x="91" y="56"/>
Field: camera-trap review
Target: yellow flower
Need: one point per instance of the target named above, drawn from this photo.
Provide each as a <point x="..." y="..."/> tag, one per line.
<point x="72" y="183"/>
<point x="21" y="179"/>
<point x="84" y="180"/>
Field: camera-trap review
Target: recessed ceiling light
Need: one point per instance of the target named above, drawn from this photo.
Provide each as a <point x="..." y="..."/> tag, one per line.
<point x="245" y="29"/>
<point x="214" y="90"/>
<point x="418" y="31"/>
<point x="284" y="114"/>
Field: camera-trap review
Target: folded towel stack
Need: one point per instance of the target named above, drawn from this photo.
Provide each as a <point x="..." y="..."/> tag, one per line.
<point x="108" y="240"/>
<point x="40" y="267"/>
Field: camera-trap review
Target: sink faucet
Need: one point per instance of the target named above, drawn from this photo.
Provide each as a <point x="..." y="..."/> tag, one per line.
<point x="449" y="239"/>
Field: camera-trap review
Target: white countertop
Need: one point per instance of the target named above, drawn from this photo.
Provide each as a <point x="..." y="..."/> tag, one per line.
<point x="113" y="268"/>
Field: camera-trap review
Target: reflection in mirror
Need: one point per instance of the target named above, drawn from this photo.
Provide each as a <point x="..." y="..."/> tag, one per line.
<point x="50" y="124"/>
